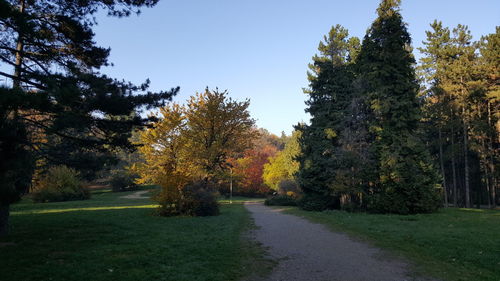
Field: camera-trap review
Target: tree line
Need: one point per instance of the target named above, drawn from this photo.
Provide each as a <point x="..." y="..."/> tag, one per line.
<point x="377" y="136"/>
<point x="461" y="93"/>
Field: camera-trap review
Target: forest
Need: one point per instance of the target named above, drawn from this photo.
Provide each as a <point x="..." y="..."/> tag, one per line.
<point x="393" y="129"/>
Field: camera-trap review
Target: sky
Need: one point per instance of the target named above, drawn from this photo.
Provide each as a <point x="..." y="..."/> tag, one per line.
<point x="257" y="49"/>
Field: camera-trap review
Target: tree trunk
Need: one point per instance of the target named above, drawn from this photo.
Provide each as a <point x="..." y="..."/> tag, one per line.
<point x="441" y="160"/>
<point x="479" y="198"/>
<point x="4" y="219"/>
<point x="494" y="190"/>
<point x="453" y="167"/>
<point x="19" y="57"/>
<point x="466" y="160"/>
<point x="491" y="162"/>
<point x="485" y="167"/>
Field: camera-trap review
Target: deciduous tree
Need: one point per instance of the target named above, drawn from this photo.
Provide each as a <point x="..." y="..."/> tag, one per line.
<point x="219" y="127"/>
<point x="283" y="166"/>
<point x="192" y="144"/>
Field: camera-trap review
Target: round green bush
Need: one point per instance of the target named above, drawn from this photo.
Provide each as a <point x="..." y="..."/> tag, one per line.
<point x="60" y="184"/>
<point x="315" y="202"/>
<point x="281" y="200"/>
<point x="122" y="181"/>
<point x="194" y="199"/>
<point x="202" y="201"/>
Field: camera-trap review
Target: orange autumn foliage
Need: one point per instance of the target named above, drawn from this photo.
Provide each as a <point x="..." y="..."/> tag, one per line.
<point x="249" y="169"/>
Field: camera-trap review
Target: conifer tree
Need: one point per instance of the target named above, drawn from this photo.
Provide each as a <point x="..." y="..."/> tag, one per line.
<point x="57" y="89"/>
<point x="460" y="101"/>
<point x="406" y="181"/>
<point x="329" y="96"/>
<point x="490" y="76"/>
<point x="438" y="104"/>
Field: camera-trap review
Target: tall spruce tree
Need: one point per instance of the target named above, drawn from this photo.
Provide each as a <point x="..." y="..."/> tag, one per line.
<point x="407" y="182"/>
<point x="56" y="87"/>
<point x="329" y="93"/>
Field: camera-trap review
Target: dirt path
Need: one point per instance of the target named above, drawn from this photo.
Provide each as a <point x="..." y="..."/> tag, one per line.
<point x="136" y="195"/>
<point x="309" y="251"/>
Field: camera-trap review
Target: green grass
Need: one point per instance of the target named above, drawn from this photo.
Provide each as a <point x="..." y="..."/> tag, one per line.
<point x="112" y="238"/>
<point x="453" y="244"/>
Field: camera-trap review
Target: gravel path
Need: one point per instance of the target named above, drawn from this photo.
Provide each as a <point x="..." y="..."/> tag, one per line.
<point x="136" y="195"/>
<point x="309" y="251"/>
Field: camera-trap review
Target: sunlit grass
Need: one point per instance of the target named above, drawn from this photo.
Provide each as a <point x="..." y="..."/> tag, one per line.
<point x="50" y="211"/>
<point x="112" y="238"/>
<point x="239" y="200"/>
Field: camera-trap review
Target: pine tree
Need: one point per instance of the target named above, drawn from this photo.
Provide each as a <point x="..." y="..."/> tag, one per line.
<point x="438" y="105"/>
<point x="56" y="87"/>
<point x="490" y="72"/>
<point x="406" y="178"/>
<point x="460" y="102"/>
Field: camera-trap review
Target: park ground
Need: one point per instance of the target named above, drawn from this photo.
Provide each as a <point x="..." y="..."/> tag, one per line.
<point x="111" y="237"/>
<point x="452" y="244"/>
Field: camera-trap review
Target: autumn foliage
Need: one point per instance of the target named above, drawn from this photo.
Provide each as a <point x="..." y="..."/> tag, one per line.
<point x="186" y="151"/>
<point x="249" y="169"/>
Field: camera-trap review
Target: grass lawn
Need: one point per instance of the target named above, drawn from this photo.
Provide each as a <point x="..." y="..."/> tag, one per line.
<point x="453" y="244"/>
<point x="112" y="238"/>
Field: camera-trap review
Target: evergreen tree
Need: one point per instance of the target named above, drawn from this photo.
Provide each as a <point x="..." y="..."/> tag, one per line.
<point x="329" y="96"/>
<point x="56" y="88"/>
<point x="461" y="97"/>
<point x="438" y="106"/>
<point x="406" y="181"/>
<point x="490" y="76"/>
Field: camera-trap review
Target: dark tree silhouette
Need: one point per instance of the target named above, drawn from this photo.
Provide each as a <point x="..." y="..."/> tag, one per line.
<point x="57" y="90"/>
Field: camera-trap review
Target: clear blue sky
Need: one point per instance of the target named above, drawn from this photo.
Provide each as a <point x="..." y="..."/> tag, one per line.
<point x="257" y="49"/>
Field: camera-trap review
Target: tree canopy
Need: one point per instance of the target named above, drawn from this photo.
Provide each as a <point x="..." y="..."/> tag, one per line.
<point x="361" y="149"/>
<point x="197" y="139"/>
<point x="57" y="89"/>
<point x="283" y="166"/>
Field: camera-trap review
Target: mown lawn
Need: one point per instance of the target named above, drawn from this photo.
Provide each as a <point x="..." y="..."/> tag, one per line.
<point x="112" y="238"/>
<point x="453" y="244"/>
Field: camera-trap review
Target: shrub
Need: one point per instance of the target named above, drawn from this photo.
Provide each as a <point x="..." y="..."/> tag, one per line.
<point x="122" y="180"/>
<point x="404" y="203"/>
<point x="315" y="202"/>
<point x="281" y="200"/>
<point x="202" y="202"/>
<point x="170" y="197"/>
<point x="60" y="184"/>
<point x="193" y="199"/>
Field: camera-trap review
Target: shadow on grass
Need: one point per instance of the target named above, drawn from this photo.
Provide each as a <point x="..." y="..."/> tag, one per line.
<point x="108" y="238"/>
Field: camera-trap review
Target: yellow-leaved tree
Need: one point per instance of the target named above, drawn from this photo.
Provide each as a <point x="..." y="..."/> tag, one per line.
<point x="279" y="173"/>
<point x="218" y="128"/>
<point x="187" y="149"/>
